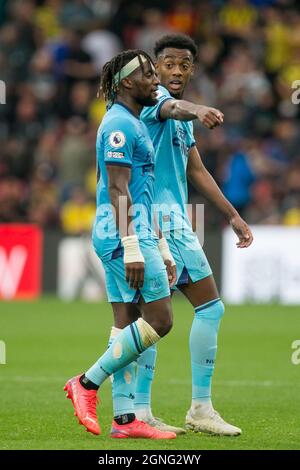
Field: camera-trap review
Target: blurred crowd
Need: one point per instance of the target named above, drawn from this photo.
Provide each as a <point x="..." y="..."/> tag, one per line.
<point x="51" y="56"/>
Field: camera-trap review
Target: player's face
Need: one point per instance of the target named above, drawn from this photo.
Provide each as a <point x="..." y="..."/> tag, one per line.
<point x="175" y="68"/>
<point x="145" y="85"/>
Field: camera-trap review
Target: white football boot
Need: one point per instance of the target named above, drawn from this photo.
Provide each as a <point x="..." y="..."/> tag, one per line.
<point x="209" y="421"/>
<point x="159" y="424"/>
<point x="145" y="414"/>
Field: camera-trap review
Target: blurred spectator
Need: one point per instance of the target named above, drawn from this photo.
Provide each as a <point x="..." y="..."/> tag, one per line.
<point x="78" y="64"/>
<point x="46" y="18"/>
<point x="71" y="62"/>
<point x="78" y="102"/>
<point x="104" y="9"/>
<point x="154" y="27"/>
<point x="97" y="109"/>
<point x="237" y="18"/>
<point x="51" y="55"/>
<point x="243" y="80"/>
<point x="12" y="200"/>
<point x="27" y="123"/>
<point x="292" y="215"/>
<point x="101" y="44"/>
<point x="3" y="5"/>
<point x="90" y="182"/>
<point x="127" y="21"/>
<point x="74" y="156"/>
<point x="238" y="180"/>
<point x="44" y="203"/>
<point x="75" y="14"/>
<point x="18" y="54"/>
<point x="263" y="208"/>
<point x="77" y="214"/>
<point x="41" y="79"/>
<point x="45" y="154"/>
<point x="183" y="17"/>
<point x="277" y="32"/>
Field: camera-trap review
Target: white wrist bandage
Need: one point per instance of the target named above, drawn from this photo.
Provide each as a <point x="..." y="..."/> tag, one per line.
<point x="165" y="251"/>
<point x="132" y="252"/>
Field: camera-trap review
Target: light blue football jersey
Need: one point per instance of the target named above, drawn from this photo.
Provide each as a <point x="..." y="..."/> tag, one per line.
<point x="123" y="140"/>
<point x="172" y="140"/>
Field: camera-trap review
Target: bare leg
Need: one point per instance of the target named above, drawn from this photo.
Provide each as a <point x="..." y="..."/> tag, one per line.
<point x="200" y="292"/>
<point x="124" y="314"/>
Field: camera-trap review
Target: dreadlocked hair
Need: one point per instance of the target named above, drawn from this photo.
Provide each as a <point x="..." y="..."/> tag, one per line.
<point x="108" y="87"/>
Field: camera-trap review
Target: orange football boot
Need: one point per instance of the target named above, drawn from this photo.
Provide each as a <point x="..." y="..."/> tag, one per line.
<point x="85" y="403"/>
<point x="139" y="429"/>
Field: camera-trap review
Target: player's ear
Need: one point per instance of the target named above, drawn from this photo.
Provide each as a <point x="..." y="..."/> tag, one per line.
<point x="158" y="63"/>
<point x="127" y="83"/>
<point x="192" y="69"/>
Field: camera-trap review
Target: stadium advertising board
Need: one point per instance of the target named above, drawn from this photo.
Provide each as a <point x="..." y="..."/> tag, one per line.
<point x="268" y="271"/>
<point x="80" y="273"/>
<point x="20" y="261"/>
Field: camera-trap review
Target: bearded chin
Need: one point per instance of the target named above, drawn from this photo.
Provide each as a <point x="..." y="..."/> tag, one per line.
<point x="147" y="101"/>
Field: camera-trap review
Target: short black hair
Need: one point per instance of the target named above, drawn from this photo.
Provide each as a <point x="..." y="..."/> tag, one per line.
<point x="177" y="41"/>
<point x="107" y="85"/>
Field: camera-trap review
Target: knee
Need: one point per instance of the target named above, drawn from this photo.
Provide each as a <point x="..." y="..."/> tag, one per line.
<point x="165" y="326"/>
<point x="163" y="323"/>
<point x="217" y="310"/>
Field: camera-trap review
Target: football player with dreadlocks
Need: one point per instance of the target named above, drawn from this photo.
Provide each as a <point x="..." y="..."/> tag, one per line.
<point x="138" y="266"/>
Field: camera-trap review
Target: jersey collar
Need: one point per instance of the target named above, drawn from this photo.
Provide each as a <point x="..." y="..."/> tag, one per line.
<point x="128" y="109"/>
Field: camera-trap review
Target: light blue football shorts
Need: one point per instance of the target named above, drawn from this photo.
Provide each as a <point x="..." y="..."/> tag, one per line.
<point x="156" y="285"/>
<point x="189" y="256"/>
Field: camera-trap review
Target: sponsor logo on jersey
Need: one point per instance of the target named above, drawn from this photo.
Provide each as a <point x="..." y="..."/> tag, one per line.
<point x="115" y="155"/>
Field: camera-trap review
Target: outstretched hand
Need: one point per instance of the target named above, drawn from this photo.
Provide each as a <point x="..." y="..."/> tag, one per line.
<point x="209" y="117"/>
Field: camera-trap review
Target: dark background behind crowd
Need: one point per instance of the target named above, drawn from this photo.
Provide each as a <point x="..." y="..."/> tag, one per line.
<point x="51" y="55"/>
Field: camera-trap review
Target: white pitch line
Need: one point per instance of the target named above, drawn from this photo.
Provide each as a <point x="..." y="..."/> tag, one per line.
<point x="223" y="383"/>
<point x="21" y="378"/>
<point x="242" y="383"/>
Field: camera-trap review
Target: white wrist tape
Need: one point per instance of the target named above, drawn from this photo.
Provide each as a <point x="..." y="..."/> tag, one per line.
<point x="132" y="252"/>
<point x="165" y="251"/>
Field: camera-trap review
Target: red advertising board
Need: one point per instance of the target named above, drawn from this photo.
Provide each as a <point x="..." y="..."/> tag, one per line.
<point x="20" y="261"/>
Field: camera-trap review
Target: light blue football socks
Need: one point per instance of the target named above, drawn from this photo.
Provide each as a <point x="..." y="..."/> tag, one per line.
<point x="203" y="348"/>
<point x="125" y="348"/>
<point x="129" y="394"/>
<point x="145" y="374"/>
<point x="123" y="383"/>
<point x="132" y="386"/>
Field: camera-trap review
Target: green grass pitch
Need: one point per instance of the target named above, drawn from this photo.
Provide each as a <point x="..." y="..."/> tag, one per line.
<point x="256" y="386"/>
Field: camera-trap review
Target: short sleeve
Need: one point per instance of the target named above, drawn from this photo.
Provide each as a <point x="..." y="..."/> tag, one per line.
<point x="190" y="135"/>
<point x="119" y="140"/>
<point x="152" y="113"/>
